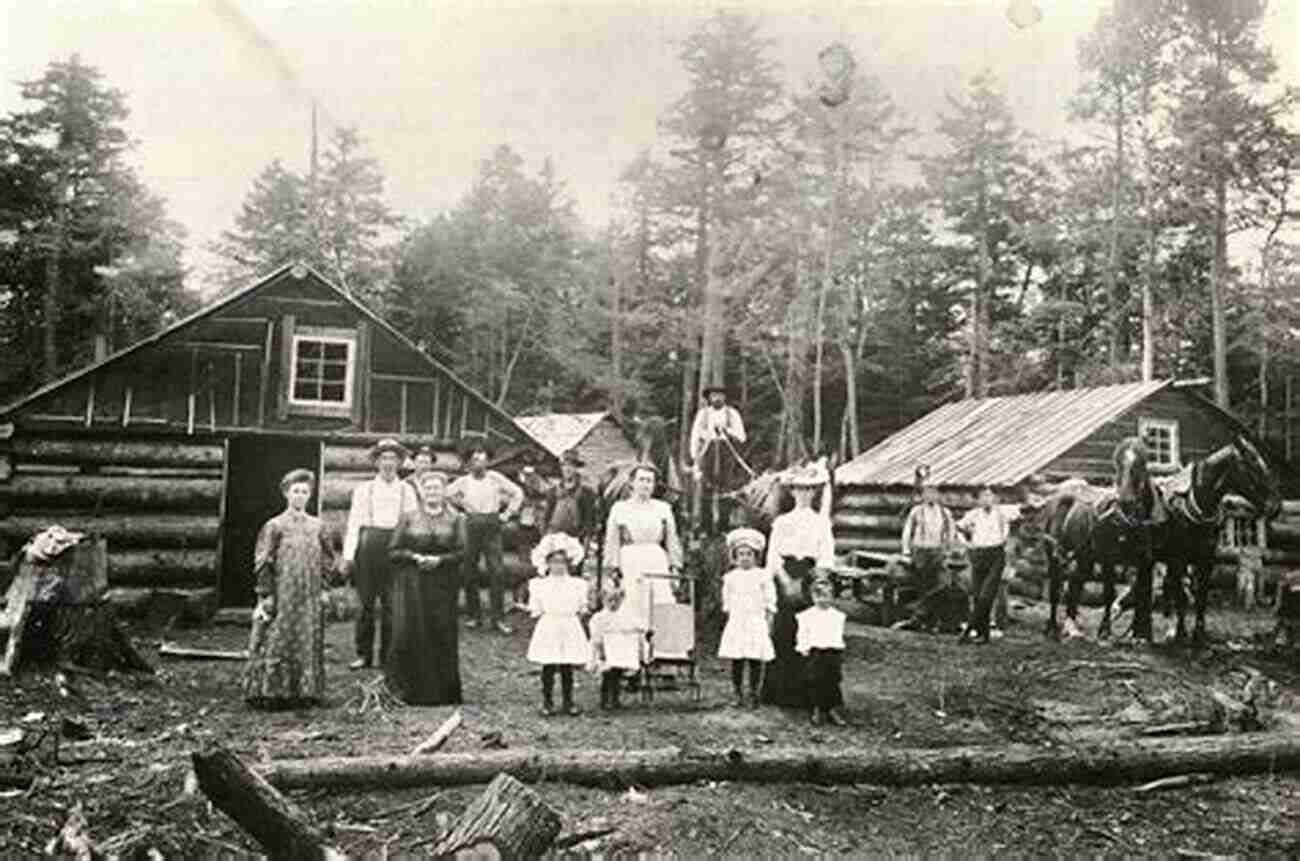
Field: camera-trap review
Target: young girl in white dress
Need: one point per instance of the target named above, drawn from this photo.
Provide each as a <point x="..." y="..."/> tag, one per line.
<point x="749" y="600"/>
<point x="558" y="600"/>
<point x="618" y="646"/>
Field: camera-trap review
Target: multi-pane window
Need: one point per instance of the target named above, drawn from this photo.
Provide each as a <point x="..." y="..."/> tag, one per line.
<point x="1239" y="532"/>
<point x="322" y="371"/>
<point x="1161" y="438"/>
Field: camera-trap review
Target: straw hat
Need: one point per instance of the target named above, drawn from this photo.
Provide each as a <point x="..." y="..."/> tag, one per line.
<point x="745" y="537"/>
<point x="556" y="542"/>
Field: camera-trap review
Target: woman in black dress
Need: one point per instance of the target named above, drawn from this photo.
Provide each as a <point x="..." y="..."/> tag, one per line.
<point x="423" y="664"/>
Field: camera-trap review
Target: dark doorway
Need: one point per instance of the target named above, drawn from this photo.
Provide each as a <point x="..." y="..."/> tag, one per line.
<point x="254" y="468"/>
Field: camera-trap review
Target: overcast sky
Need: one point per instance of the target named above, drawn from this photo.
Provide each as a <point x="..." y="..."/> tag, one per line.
<point x="219" y="89"/>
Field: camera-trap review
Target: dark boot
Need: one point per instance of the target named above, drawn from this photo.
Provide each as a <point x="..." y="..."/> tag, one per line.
<point x="567" y="705"/>
<point x="548" y="688"/>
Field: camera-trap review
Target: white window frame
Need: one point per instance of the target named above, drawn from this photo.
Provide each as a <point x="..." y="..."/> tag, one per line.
<point x="1170" y="426"/>
<point x="323" y="336"/>
<point x="1242" y="531"/>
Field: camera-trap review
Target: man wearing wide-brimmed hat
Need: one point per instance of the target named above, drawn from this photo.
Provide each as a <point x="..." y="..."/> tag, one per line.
<point x="488" y="499"/>
<point x="572" y="504"/>
<point x="716" y="437"/>
<point x="377" y="505"/>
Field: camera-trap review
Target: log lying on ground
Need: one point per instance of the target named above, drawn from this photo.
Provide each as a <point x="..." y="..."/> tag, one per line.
<point x="189" y="653"/>
<point x="508" y="817"/>
<point x="274" y="821"/>
<point x="1017" y="764"/>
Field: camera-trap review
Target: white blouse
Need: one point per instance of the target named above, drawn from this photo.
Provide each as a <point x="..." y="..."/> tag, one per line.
<point x="801" y="532"/>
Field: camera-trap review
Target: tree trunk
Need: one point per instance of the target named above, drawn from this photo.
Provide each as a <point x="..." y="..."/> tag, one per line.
<point x="1218" y="273"/>
<point x="509" y="817"/>
<point x="851" y="398"/>
<point x="616" y="343"/>
<point x="1016" y="764"/>
<point x="50" y="310"/>
<point x="1114" y="307"/>
<point x="282" y="828"/>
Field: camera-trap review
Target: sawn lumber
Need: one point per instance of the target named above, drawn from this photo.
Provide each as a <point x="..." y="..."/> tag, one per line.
<point x="1125" y="762"/>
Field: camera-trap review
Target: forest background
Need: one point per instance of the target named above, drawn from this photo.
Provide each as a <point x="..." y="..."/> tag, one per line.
<point x="842" y="264"/>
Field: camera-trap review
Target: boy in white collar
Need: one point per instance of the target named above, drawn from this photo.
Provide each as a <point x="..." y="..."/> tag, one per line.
<point x="820" y="639"/>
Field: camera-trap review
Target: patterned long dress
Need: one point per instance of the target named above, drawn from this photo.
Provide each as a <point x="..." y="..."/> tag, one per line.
<point x="423" y="663"/>
<point x="286" y="656"/>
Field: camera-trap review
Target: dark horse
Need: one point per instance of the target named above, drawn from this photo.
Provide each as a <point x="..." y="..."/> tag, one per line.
<point x="1189" y="537"/>
<point x="1092" y="526"/>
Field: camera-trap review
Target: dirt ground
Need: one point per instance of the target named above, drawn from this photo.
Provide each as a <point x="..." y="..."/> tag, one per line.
<point x="132" y="777"/>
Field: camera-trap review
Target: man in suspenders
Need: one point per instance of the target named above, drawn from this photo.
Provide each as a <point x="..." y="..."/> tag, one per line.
<point x="377" y="505"/>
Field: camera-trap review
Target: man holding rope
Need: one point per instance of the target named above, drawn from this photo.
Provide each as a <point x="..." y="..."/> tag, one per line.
<point x="716" y="438"/>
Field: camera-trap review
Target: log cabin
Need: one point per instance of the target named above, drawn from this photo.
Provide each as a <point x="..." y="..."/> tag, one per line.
<point x="1021" y="444"/>
<point x="173" y="448"/>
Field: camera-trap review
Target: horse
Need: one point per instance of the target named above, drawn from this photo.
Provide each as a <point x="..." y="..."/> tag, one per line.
<point x="1189" y="538"/>
<point x="1093" y="527"/>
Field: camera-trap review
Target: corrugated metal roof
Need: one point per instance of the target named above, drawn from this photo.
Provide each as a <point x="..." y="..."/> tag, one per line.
<point x="560" y="432"/>
<point x="998" y="441"/>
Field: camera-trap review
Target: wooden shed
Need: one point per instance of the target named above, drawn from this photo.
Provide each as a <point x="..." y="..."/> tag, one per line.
<point x="173" y="448"/>
<point x="1020" y="443"/>
<point x="599" y="438"/>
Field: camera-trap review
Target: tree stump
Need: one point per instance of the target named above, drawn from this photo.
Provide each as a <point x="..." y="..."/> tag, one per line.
<point x="508" y="820"/>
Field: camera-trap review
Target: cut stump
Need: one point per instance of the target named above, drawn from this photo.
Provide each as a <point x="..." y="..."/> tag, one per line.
<point x="509" y="820"/>
<point x="279" y="825"/>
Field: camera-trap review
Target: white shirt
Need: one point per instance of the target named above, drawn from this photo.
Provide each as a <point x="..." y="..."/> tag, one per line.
<point x="927" y="525"/>
<point x="711" y="423"/>
<point x="801" y="532"/>
<point x="376" y="503"/>
<point x="616" y="639"/>
<point x="985" y="528"/>
<point x="485" y="495"/>
<point x="819" y="628"/>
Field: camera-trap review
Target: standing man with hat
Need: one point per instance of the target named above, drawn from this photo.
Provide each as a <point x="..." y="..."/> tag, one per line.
<point x="481" y="493"/>
<point x="376" y="507"/>
<point x="572" y="505"/>
<point x="716" y="434"/>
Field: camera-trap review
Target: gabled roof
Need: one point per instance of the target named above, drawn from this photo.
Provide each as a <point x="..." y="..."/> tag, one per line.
<point x="999" y="441"/>
<point x="559" y="432"/>
<point x="233" y="298"/>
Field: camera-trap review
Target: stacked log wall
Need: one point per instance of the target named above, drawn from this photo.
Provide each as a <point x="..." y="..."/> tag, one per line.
<point x="157" y="502"/>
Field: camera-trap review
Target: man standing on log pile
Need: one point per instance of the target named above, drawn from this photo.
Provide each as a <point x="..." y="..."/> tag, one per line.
<point x="377" y="505"/>
<point x="480" y="494"/>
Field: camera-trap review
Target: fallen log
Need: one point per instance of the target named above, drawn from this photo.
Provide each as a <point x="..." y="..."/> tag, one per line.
<point x="189" y="653"/>
<point x="279" y="825"/>
<point x="509" y="820"/>
<point x="1174" y="781"/>
<point x="1117" y="763"/>
<point x="440" y="735"/>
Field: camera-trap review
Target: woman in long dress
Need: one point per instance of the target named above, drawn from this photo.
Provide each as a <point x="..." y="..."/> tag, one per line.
<point x="423" y="663"/>
<point x="286" y="654"/>
<point x="640" y="540"/>
<point x="801" y="541"/>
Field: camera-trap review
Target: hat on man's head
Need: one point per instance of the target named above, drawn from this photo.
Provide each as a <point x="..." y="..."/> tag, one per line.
<point x="714" y="387"/>
<point x="389" y="445"/>
<point x="571" y="458"/>
<point x="418" y="450"/>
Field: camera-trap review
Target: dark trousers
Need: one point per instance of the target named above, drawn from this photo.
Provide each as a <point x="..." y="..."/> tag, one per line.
<point x="611" y="684"/>
<point x="483" y="539"/>
<point x="825" y="670"/>
<point x="928" y="571"/>
<point x="986" y="575"/>
<point x="566" y="683"/>
<point x="372" y="577"/>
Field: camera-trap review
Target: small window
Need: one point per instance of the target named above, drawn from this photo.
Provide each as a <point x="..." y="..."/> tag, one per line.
<point x="323" y="366"/>
<point x="1241" y="532"/>
<point x="1161" y="437"/>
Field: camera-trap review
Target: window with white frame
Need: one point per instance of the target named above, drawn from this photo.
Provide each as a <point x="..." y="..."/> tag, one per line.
<point x="1161" y="438"/>
<point x="1240" y="531"/>
<point x="323" y="366"/>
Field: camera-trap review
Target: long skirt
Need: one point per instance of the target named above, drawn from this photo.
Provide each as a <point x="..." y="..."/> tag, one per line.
<point x="423" y="662"/>
<point x="785" y="683"/>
